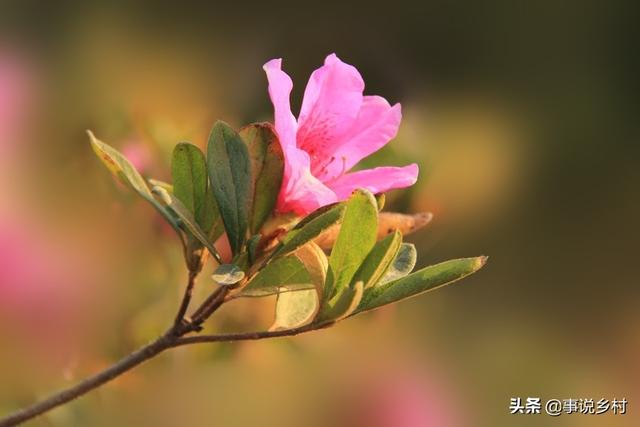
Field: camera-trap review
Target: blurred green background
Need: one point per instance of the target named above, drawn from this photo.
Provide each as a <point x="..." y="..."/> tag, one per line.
<point x="522" y="115"/>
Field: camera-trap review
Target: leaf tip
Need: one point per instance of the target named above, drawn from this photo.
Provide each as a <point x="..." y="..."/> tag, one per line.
<point x="366" y="193"/>
<point x="180" y="146"/>
<point x="480" y="262"/>
<point x="92" y="138"/>
<point x="221" y="124"/>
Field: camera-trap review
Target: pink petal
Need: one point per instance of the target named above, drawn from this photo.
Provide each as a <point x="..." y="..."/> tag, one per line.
<point x="301" y="192"/>
<point x="280" y="86"/>
<point x="331" y="103"/>
<point x="377" y="123"/>
<point x="377" y="180"/>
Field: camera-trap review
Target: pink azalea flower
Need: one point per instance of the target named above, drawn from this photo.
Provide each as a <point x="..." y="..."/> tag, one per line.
<point x="336" y="128"/>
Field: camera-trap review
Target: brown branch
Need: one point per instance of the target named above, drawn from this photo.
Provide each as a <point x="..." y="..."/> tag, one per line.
<point x="169" y="340"/>
<point x="186" y="299"/>
<point x="174" y="337"/>
<point x="137" y="357"/>
<point x="249" y="336"/>
<point x="207" y="308"/>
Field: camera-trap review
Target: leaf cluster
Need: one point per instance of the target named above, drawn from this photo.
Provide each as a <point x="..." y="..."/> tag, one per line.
<point x="232" y="189"/>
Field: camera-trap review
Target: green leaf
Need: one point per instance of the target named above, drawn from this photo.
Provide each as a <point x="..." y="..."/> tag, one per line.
<point x="378" y="260"/>
<point x="267" y="168"/>
<point x="380" y="200"/>
<point x="300" y="236"/>
<point x="424" y="280"/>
<point x="356" y="238"/>
<point x="278" y="223"/>
<point x="297" y="308"/>
<point x="191" y="184"/>
<point x="402" y="265"/>
<point x="159" y="183"/>
<point x="283" y="274"/>
<point x="230" y="174"/>
<point x="227" y="274"/>
<point x="242" y="261"/>
<point x="343" y="305"/>
<point x="294" y="309"/>
<point x="186" y="219"/>
<point x="119" y="166"/>
<point x="252" y="247"/>
<point x="316" y="264"/>
<point x="315" y="214"/>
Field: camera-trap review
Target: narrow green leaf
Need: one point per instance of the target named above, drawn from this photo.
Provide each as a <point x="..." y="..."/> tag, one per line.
<point x="252" y="247"/>
<point x="315" y="214"/>
<point x="227" y="274"/>
<point x="294" y="309"/>
<point x="230" y="174"/>
<point x="217" y="228"/>
<point x="402" y="265"/>
<point x="119" y="166"/>
<point x="191" y="184"/>
<point x="242" y="261"/>
<point x="267" y="168"/>
<point x="189" y="173"/>
<point x="298" y="237"/>
<point x="343" y="305"/>
<point x="159" y="183"/>
<point x="186" y="219"/>
<point x="283" y="274"/>
<point x="424" y="280"/>
<point x="378" y="260"/>
<point x="356" y="238"/>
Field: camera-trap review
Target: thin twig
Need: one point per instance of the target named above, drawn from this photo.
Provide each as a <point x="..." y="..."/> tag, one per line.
<point x="208" y="307"/>
<point x="166" y="341"/>
<point x="174" y="337"/>
<point x="248" y="336"/>
<point x="186" y="299"/>
<point x="137" y="357"/>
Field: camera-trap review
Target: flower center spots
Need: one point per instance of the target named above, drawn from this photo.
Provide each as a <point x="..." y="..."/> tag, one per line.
<point x="315" y="137"/>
